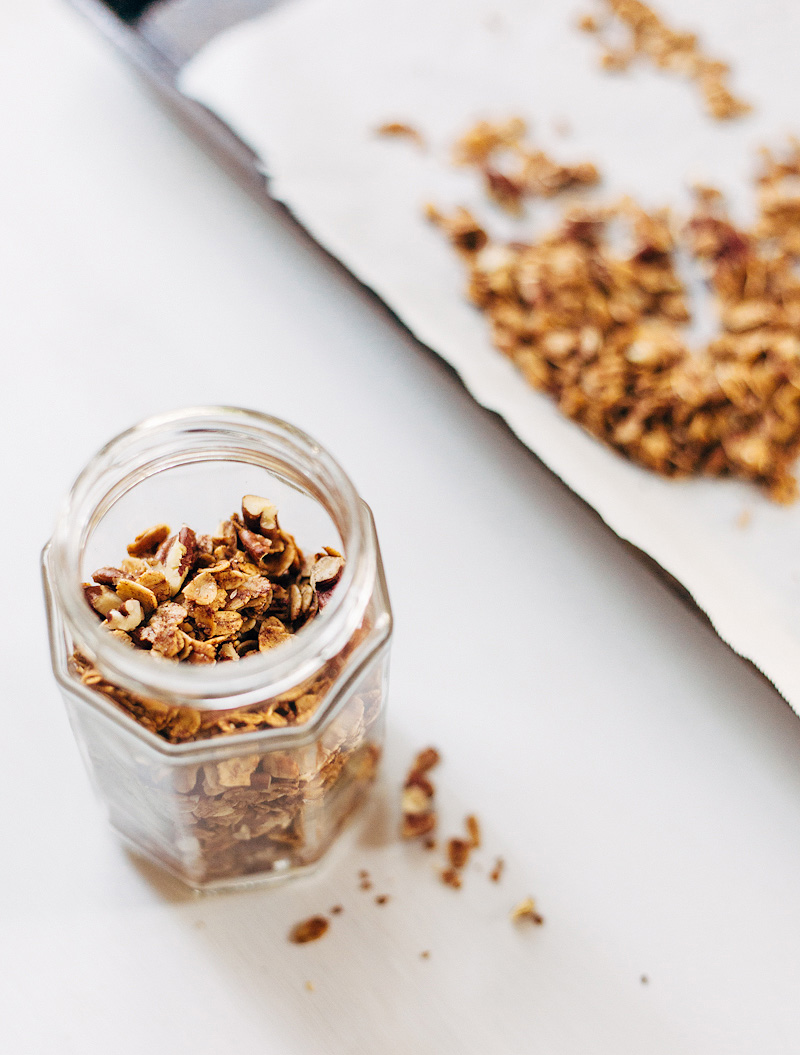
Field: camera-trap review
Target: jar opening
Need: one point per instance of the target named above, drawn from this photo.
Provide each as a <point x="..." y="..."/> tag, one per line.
<point x="195" y="460"/>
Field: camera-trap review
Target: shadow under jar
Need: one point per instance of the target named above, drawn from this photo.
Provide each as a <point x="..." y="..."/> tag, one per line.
<point x="228" y="772"/>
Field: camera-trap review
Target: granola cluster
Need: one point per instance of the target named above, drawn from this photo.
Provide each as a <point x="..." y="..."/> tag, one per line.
<point x="459" y="850"/>
<point x="513" y="170"/>
<point x="601" y="330"/>
<point x="677" y="51"/>
<point x="213" y="598"/>
<point x="419" y="814"/>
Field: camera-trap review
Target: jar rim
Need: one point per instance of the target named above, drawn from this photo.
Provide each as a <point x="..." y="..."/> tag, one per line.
<point x="189" y="436"/>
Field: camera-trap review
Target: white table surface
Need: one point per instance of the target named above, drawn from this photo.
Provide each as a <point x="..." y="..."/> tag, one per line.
<point x="639" y="779"/>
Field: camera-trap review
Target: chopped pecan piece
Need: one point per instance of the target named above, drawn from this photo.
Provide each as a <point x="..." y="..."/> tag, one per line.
<point x="102" y="599"/>
<point x="127" y="617"/>
<point x="259" y="514"/>
<point x="108" y="576"/>
<point x="146" y="544"/>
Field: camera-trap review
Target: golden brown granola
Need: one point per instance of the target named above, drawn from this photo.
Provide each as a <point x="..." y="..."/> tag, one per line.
<point x="600" y="330"/>
<point x="649" y="36"/>
<point x="217" y="599"/>
<point x="213" y="599"/>
<point x="307" y="930"/>
<point x="513" y="170"/>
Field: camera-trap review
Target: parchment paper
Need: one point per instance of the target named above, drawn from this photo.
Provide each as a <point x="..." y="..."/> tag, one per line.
<point x="307" y="84"/>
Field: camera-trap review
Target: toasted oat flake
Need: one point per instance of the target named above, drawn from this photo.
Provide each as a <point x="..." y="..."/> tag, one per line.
<point x="307" y="930"/>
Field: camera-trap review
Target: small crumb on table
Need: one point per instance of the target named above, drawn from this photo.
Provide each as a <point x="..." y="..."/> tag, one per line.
<point x="310" y="929"/>
<point x="525" y="911"/>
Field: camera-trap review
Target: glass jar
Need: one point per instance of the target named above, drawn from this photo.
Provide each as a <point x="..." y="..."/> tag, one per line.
<point x="251" y="802"/>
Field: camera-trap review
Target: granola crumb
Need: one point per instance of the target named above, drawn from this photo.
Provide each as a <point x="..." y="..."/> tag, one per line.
<point x="401" y="130"/>
<point x="365" y="884"/>
<point x="496" y="873"/>
<point x="562" y="127"/>
<point x="450" y="877"/>
<point x="381" y="899"/>
<point x="310" y="987"/>
<point x="337" y="910"/>
<point x="311" y="929"/>
<point x="644" y="980"/>
<point x="525" y="911"/>
<point x="425" y="954"/>
<point x="458" y="851"/>
<point x="744" y="519"/>
<point x="473" y="831"/>
<point x="430" y="844"/>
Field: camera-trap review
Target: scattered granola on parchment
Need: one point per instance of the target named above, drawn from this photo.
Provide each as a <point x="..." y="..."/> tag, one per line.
<point x="512" y="169"/>
<point x="601" y="330"/>
<point x="648" y="36"/>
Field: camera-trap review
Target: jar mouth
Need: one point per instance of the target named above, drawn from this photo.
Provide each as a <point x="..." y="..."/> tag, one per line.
<point x="188" y="437"/>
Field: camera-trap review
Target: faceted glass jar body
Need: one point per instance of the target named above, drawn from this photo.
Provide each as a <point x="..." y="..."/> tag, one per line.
<point x="248" y="802"/>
